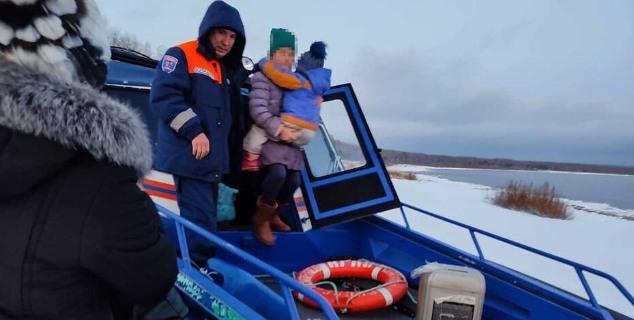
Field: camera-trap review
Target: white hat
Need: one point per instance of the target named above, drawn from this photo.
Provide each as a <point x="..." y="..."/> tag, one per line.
<point x="63" y="38"/>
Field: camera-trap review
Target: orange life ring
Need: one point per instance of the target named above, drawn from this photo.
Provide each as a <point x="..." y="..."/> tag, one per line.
<point x="393" y="285"/>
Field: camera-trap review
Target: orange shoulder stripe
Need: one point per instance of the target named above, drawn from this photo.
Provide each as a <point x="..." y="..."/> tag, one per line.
<point x="196" y="63"/>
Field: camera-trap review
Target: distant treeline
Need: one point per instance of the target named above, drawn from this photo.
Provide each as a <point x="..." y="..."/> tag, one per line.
<point x="352" y="152"/>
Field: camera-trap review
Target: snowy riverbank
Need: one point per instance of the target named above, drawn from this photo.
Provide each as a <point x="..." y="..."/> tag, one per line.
<point x="596" y="240"/>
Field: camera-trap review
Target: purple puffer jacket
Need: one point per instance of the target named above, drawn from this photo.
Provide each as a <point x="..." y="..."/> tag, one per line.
<point x="265" y="101"/>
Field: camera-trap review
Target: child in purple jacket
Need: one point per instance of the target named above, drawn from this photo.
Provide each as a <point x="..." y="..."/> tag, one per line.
<point x="300" y="110"/>
<point x="281" y="159"/>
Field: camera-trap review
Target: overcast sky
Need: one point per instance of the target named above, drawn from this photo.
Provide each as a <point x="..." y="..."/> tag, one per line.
<point x="536" y="80"/>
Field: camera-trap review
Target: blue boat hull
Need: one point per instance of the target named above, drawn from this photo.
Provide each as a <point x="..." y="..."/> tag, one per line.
<point x="509" y="295"/>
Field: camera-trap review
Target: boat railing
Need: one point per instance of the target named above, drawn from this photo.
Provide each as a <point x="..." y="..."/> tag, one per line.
<point x="286" y="282"/>
<point x="579" y="268"/>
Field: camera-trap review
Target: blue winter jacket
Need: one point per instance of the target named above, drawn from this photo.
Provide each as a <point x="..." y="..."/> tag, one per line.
<point x="191" y="95"/>
<point x="299" y="106"/>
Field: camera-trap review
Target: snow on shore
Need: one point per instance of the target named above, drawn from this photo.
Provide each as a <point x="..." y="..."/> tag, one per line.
<point x="595" y="240"/>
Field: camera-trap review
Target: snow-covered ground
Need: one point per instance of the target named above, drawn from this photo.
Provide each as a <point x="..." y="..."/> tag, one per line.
<point x="598" y="241"/>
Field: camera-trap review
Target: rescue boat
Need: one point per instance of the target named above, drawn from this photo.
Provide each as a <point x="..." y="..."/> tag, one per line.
<point x="337" y="237"/>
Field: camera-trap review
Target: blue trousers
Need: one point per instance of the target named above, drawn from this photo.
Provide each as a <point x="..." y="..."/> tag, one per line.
<point x="197" y="202"/>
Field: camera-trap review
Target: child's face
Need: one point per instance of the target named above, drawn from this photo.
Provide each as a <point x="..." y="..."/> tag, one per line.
<point x="285" y="57"/>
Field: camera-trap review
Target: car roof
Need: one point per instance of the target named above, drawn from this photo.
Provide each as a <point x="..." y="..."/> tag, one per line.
<point x="130" y="68"/>
<point x="134" y="69"/>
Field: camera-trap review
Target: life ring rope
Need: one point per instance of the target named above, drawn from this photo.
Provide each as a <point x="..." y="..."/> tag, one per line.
<point x="382" y="285"/>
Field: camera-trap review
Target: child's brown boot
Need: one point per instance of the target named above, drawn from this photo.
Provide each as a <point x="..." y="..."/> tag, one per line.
<point x="277" y="222"/>
<point x="262" y="222"/>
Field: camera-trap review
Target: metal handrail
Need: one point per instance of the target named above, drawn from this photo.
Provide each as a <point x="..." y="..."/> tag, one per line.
<point x="579" y="268"/>
<point x="336" y="160"/>
<point x="286" y="283"/>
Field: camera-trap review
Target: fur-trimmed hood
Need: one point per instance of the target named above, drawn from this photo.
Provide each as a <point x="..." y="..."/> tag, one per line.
<point x="74" y="115"/>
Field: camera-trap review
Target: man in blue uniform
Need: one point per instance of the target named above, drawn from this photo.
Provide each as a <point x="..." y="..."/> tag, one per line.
<point x="196" y="102"/>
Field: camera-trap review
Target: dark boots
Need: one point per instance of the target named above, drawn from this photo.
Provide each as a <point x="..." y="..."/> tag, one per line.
<point x="262" y="222"/>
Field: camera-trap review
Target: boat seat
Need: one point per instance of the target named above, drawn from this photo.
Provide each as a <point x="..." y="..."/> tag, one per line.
<point x="250" y="290"/>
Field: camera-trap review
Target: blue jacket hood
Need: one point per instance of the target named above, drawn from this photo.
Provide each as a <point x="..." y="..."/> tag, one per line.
<point x="221" y="15"/>
<point x="319" y="79"/>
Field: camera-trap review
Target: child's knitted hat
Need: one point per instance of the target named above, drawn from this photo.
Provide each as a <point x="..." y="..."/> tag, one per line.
<point x="281" y="38"/>
<point x="313" y="58"/>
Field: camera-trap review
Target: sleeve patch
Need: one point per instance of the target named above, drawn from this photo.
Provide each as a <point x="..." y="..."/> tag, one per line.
<point x="169" y="64"/>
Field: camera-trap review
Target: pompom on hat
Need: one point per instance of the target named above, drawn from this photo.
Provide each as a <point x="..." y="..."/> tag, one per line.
<point x="313" y="58"/>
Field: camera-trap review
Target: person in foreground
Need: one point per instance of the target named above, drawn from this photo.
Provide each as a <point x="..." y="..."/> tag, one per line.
<point x="78" y="238"/>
